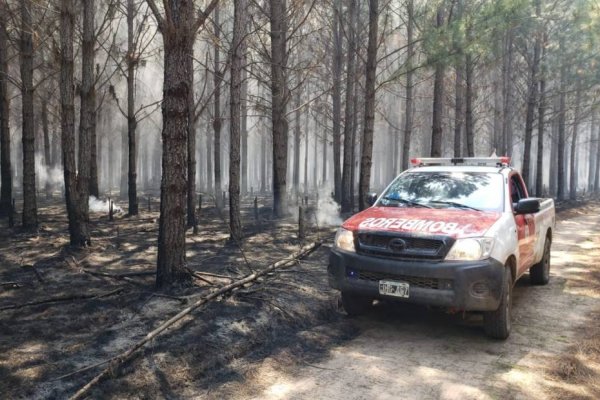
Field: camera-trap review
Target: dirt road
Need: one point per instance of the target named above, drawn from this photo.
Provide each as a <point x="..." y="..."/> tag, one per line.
<point x="412" y="352"/>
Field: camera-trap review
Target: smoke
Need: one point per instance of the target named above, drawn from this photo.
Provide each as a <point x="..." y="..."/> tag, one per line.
<point x="328" y="211"/>
<point x="102" y="206"/>
<point x="51" y="177"/>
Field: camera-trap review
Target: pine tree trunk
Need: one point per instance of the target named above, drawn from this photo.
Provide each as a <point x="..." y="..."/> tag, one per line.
<point x="458" y="109"/>
<point x="350" y="77"/>
<point x="561" y="175"/>
<point x="131" y="117"/>
<point x="217" y="121"/>
<point x="30" y="217"/>
<point x="178" y="41"/>
<point x="244" y="123"/>
<point x="191" y="154"/>
<point x="408" y="110"/>
<point x="296" y="166"/>
<point x="235" y="91"/>
<point x="469" y="97"/>
<point x="367" y="139"/>
<point x="592" y="155"/>
<point x="532" y="95"/>
<point x="78" y="225"/>
<point x="87" y="111"/>
<point x="438" y="98"/>
<point x="279" y="99"/>
<point x="6" y="185"/>
<point x="573" y="165"/>
<point x="539" y="179"/>
<point x="507" y="96"/>
<point x="336" y="98"/>
<point x="597" y="171"/>
<point x="209" y="160"/>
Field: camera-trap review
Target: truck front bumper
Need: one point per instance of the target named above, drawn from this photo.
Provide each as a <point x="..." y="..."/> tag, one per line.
<point x="463" y="285"/>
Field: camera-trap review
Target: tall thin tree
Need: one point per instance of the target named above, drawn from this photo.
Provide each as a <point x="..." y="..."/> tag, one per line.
<point x="6" y="184"/>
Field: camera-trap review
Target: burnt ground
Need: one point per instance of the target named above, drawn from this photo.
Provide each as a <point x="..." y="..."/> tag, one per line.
<point x="87" y="317"/>
<point x="253" y="343"/>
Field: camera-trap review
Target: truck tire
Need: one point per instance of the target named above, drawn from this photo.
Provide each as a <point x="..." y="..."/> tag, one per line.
<point x="497" y="323"/>
<point x="539" y="274"/>
<point x="355" y="304"/>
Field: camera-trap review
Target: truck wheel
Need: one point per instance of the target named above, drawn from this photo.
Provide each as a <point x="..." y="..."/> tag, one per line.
<point x="497" y="323"/>
<point x="539" y="274"/>
<point x="355" y="304"/>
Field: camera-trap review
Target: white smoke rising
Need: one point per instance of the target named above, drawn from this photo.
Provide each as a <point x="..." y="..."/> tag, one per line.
<point x="103" y="206"/>
<point x="52" y="177"/>
<point x="328" y="211"/>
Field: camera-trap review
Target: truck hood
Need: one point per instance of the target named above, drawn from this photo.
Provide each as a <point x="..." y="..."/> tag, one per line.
<point x="457" y="223"/>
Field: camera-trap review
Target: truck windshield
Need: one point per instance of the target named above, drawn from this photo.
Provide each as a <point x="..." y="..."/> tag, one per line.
<point x="482" y="191"/>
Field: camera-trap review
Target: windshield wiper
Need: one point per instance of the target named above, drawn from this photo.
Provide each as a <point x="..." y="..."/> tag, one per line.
<point x="404" y="201"/>
<point x="455" y="204"/>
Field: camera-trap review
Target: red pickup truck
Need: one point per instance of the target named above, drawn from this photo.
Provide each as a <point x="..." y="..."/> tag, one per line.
<point x="454" y="233"/>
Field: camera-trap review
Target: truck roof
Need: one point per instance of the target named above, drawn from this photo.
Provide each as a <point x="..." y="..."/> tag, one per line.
<point x="460" y="168"/>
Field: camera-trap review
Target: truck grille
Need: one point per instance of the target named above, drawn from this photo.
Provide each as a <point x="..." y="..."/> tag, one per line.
<point x="413" y="281"/>
<point x="403" y="246"/>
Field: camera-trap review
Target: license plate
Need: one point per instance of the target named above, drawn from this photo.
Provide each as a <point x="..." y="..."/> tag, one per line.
<point x="392" y="288"/>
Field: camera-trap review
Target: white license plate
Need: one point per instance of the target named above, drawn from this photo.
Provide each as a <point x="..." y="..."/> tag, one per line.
<point x="393" y="288"/>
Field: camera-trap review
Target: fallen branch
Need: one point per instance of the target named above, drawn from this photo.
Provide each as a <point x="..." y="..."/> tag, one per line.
<point x="200" y="277"/>
<point x="116" y="361"/>
<point x="60" y="299"/>
<point x="112" y="276"/>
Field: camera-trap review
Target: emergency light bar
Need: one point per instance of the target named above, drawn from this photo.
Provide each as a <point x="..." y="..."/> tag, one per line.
<point x="477" y="161"/>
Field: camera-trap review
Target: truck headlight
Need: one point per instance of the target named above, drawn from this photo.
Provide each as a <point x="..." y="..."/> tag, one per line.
<point x="344" y="239"/>
<point x="471" y="249"/>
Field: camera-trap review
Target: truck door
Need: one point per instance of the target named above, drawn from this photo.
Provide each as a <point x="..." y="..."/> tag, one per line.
<point x="525" y="226"/>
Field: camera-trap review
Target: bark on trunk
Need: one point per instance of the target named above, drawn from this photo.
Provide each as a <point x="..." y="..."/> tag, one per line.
<point x="469" y="97"/>
<point x="296" y="166"/>
<point x="87" y="111"/>
<point x="336" y="98"/>
<point x="30" y="217"/>
<point x="458" y="109"/>
<point x="131" y="117"/>
<point x="561" y="175"/>
<point x="573" y="162"/>
<point x="46" y="136"/>
<point x="532" y="95"/>
<point x="350" y="77"/>
<point x="279" y="99"/>
<point x="178" y="38"/>
<point x="539" y="179"/>
<point x="507" y="94"/>
<point x="597" y="171"/>
<point x="235" y="92"/>
<point x="78" y="226"/>
<point x="438" y="98"/>
<point x="244" y="123"/>
<point x="367" y="139"/>
<point x="6" y="185"/>
<point x="408" y="110"/>
<point x="217" y="121"/>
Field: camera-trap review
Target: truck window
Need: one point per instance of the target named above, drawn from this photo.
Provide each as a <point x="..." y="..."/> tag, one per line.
<point x="481" y="191"/>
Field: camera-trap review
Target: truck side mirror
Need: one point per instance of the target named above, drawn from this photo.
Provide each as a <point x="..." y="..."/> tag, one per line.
<point x="371" y="198"/>
<point x="527" y="206"/>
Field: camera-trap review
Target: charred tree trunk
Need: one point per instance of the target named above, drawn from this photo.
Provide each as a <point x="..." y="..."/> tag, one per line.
<point x="87" y="111"/>
<point x="507" y="94"/>
<point x="244" y="116"/>
<point x="438" y="97"/>
<point x="408" y="110"/>
<point x="6" y="184"/>
<point x="217" y="121"/>
<point x="30" y="217"/>
<point x="336" y="98"/>
<point x="561" y="175"/>
<point x="279" y="99"/>
<point x="191" y="153"/>
<point x="539" y="179"/>
<point x="350" y="77"/>
<point x="132" y="61"/>
<point x="296" y="166"/>
<point x="178" y="37"/>
<point x="573" y="162"/>
<point x="532" y="95"/>
<point x="78" y="225"/>
<point x="235" y="92"/>
<point x="367" y="139"/>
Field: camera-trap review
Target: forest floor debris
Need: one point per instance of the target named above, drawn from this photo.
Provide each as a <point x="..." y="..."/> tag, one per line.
<point x="43" y="342"/>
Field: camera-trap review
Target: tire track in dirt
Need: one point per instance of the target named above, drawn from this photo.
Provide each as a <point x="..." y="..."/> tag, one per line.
<point x="411" y="352"/>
